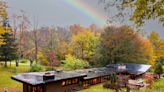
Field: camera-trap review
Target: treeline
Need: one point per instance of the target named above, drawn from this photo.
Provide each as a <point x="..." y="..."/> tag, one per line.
<point x="75" y="46"/>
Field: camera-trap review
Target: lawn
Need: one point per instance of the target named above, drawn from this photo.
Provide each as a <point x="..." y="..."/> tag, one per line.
<point x="158" y="86"/>
<point x="13" y="86"/>
<point x="96" y="88"/>
<point x="5" y="77"/>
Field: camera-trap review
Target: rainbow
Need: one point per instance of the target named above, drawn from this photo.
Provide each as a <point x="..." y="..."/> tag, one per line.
<point x="87" y="11"/>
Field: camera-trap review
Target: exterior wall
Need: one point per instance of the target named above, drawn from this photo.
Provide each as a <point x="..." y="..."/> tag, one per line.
<point x="96" y="80"/>
<point x="30" y="88"/>
<point x="67" y="85"/>
<point x="57" y="87"/>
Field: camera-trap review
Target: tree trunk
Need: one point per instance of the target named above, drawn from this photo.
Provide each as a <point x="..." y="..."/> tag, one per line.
<point x="159" y="76"/>
<point x="10" y="63"/>
<point x="5" y="63"/>
<point x="17" y="63"/>
<point x="128" y="89"/>
<point x="36" y="45"/>
<point x="31" y="61"/>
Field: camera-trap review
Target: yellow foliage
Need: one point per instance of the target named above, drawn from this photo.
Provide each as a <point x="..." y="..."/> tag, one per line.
<point x="84" y="43"/>
<point x="3" y="8"/>
<point x="2" y="31"/>
<point x="42" y="58"/>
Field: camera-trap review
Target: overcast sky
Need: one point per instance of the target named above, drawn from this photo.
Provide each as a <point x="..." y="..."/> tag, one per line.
<point x="58" y="13"/>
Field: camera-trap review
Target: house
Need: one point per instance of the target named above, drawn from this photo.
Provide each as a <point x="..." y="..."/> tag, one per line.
<point x="71" y="81"/>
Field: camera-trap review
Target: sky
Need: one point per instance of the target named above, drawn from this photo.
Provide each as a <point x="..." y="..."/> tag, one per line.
<point x="67" y="12"/>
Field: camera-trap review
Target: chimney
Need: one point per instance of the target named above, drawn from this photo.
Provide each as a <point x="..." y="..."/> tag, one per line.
<point x="48" y="76"/>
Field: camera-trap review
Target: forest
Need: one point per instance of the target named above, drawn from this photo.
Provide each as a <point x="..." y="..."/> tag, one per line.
<point x="75" y="46"/>
<point x="26" y="46"/>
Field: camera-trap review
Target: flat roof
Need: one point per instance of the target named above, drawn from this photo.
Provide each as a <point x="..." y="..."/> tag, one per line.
<point x="95" y="72"/>
<point x="36" y="78"/>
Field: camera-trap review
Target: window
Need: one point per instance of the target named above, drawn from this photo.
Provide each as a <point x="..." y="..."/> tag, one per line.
<point x="74" y="81"/>
<point x="69" y="82"/>
<point x="34" y="89"/>
<point x="94" y="81"/>
<point x="86" y="84"/>
<point x="63" y="83"/>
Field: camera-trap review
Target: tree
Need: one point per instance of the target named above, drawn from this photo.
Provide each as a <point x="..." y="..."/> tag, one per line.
<point x="3" y="17"/>
<point x="2" y="31"/>
<point x="123" y="45"/>
<point x="138" y="10"/>
<point x="22" y="25"/>
<point x="158" y="45"/>
<point x="73" y="63"/>
<point x="158" y="69"/>
<point x="43" y="58"/>
<point x="52" y="58"/>
<point x="154" y="38"/>
<point x="35" y="31"/>
<point x="84" y="44"/>
<point x="8" y="50"/>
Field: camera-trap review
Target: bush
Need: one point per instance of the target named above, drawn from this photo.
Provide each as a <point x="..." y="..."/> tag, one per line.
<point x="43" y="58"/>
<point x="23" y="61"/>
<point x="73" y="63"/>
<point x="50" y="69"/>
<point x="158" y="69"/>
<point x="36" y="68"/>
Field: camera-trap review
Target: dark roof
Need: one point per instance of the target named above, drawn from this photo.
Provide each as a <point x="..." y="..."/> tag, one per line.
<point x="135" y="69"/>
<point x="95" y="72"/>
<point x="36" y="78"/>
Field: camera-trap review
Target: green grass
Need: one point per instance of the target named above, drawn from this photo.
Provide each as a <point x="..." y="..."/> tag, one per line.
<point x="13" y="86"/>
<point x="5" y="77"/>
<point x="158" y="86"/>
<point x="96" y="88"/>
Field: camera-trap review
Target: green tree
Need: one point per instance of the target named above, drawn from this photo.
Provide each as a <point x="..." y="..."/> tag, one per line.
<point x="138" y="10"/>
<point x="8" y="50"/>
<point x="158" y="69"/>
<point x="123" y="45"/>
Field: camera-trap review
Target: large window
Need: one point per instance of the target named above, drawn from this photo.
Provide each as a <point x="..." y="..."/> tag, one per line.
<point x="30" y="88"/>
<point x="70" y="82"/>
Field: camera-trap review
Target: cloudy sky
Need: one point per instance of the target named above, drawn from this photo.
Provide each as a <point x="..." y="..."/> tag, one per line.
<point x="67" y="12"/>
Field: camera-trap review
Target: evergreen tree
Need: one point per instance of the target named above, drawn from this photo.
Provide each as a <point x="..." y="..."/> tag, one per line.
<point x="8" y="49"/>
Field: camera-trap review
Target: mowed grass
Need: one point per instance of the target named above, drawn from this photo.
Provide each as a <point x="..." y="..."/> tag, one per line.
<point x="158" y="86"/>
<point x="5" y="77"/>
<point x="13" y="86"/>
<point x="96" y="88"/>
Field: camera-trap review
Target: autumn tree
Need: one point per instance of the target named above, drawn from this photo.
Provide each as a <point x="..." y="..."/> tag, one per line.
<point x="84" y="44"/>
<point x="158" y="45"/>
<point x="3" y="17"/>
<point x="20" y="27"/>
<point x="138" y="11"/>
<point x="123" y="45"/>
<point x="71" y="62"/>
<point x="52" y="58"/>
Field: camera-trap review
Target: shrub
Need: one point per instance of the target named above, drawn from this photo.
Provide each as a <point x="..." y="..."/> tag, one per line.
<point x="23" y="61"/>
<point x="50" y="69"/>
<point x="158" y="69"/>
<point x="43" y="59"/>
<point x="73" y="63"/>
<point x="36" y="68"/>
